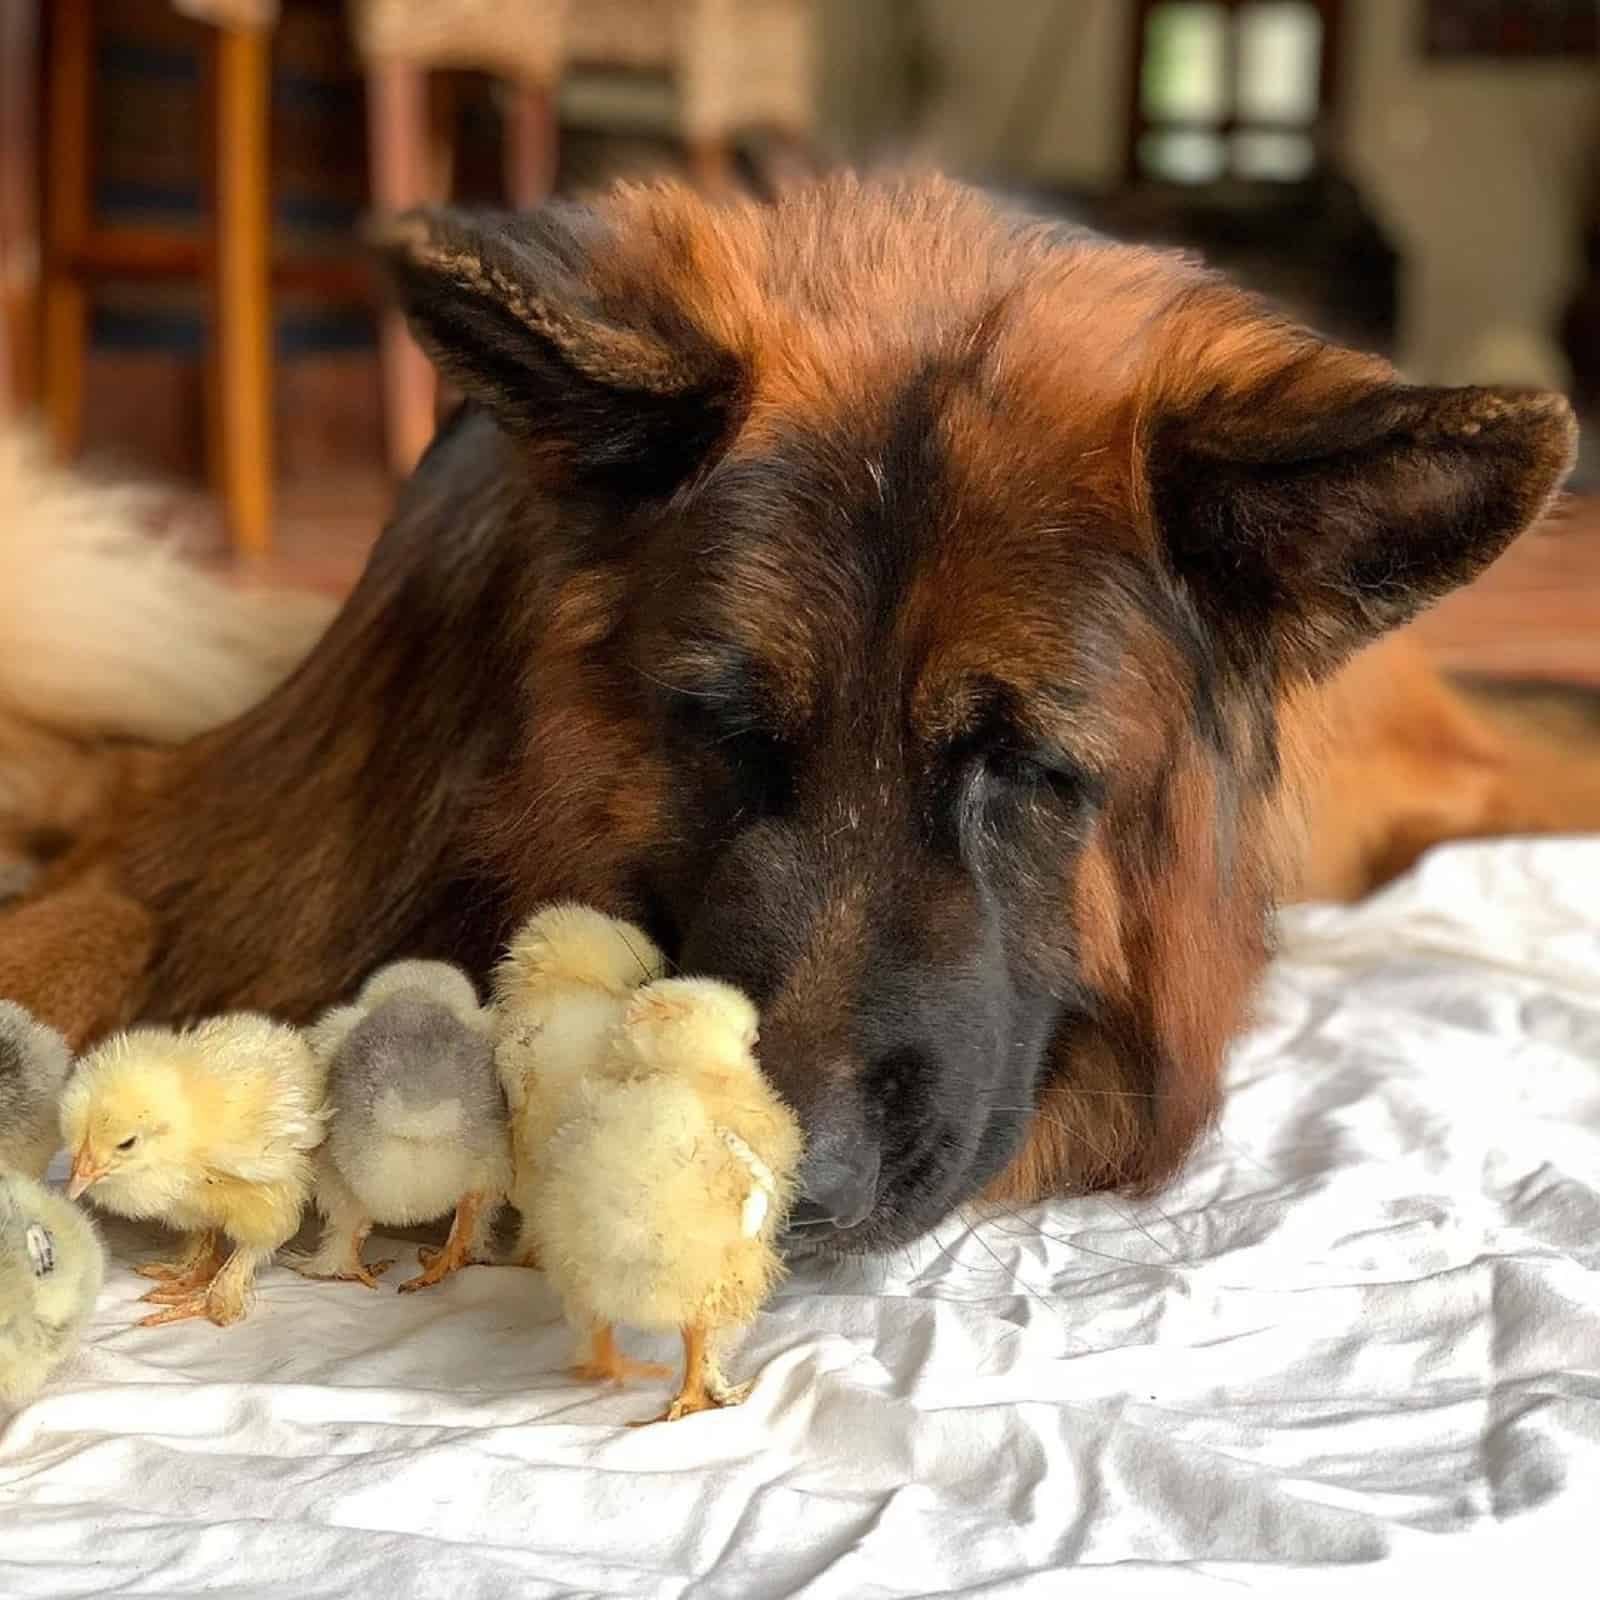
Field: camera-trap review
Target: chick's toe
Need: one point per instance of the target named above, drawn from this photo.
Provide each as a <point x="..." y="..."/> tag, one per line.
<point x="182" y="1306"/>
<point x="460" y="1249"/>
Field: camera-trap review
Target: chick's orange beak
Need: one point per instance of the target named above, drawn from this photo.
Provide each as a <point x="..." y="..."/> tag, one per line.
<point x="84" y="1172"/>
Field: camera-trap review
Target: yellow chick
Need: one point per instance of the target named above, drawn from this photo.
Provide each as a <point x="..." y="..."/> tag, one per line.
<point x="665" y="1187"/>
<point x="210" y="1130"/>
<point x="51" y="1267"/>
<point x="560" y="992"/>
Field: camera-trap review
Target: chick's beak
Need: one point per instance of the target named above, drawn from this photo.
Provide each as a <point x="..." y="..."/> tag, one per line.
<point x="84" y="1172"/>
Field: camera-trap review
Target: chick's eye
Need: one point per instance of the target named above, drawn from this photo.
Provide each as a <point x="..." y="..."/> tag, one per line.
<point x="129" y="1142"/>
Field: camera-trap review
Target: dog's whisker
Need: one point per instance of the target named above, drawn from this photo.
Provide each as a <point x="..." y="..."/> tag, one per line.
<point x="1128" y="1218"/>
<point x="1033" y="1229"/>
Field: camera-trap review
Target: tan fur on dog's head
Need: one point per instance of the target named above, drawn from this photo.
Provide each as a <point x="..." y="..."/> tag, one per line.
<point x="902" y="609"/>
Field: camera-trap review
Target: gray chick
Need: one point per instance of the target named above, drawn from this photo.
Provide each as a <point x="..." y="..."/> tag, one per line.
<point x="51" y="1267"/>
<point x="34" y="1063"/>
<point x="419" y="1122"/>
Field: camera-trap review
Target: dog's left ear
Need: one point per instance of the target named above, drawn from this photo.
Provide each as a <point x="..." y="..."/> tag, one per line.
<point x="531" y="315"/>
<point x="1313" y="509"/>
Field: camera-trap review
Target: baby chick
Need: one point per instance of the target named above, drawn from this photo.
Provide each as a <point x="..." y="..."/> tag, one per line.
<point x="34" y="1062"/>
<point x="419" y="1121"/>
<point x="51" y="1266"/>
<point x="664" y="1189"/>
<point x="560" y="992"/>
<point x="210" y="1130"/>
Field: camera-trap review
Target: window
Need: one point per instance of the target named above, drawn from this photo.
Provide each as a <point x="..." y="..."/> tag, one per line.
<point x="1231" y="89"/>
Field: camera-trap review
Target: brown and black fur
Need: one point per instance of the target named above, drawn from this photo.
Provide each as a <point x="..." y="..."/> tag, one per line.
<point x="925" y="618"/>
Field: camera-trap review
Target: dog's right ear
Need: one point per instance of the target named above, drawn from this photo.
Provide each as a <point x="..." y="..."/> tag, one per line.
<point x="606" y="377"/>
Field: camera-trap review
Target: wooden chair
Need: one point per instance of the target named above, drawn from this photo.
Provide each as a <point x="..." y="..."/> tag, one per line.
<point x="19" y="208"/>
<point x="236" y="260"/>
<point x="735" y="66"/>
<point x="401" y="42"/>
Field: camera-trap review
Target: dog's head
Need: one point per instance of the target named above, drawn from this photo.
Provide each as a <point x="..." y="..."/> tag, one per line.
<point x="930" y="588"/>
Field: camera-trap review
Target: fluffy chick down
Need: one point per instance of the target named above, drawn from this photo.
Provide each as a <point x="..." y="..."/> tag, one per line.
<point x="51" y="1267"/>
<point x="210" y="1130"/>
<point x="560" y="994"/>
<point x="666" y="1184"/>
<point x="34" y="1063"/>
<point x="418" y="1120"/>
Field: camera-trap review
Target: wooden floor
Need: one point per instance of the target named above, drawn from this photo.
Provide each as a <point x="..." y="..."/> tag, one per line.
<point x="1535" y="614"/>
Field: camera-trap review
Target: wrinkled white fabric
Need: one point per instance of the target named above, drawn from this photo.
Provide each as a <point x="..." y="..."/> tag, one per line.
<point x="1358" y="1342"/>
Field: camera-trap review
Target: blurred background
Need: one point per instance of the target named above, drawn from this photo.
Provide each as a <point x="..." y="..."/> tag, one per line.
<point x="181" y="183"/>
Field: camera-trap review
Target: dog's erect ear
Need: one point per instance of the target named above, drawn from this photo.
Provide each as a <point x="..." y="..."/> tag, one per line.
<point x="1315" y="509"/>
<point x="609" y="377"/>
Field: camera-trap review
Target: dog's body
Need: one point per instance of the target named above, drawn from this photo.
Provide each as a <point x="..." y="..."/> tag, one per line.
<point x="931" y="622"/>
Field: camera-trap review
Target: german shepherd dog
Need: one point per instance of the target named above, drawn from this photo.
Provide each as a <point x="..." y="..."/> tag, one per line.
<point x="933" y="620"/>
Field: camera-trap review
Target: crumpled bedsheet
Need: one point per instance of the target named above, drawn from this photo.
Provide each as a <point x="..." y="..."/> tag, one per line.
<point x="1358" y="1343"/>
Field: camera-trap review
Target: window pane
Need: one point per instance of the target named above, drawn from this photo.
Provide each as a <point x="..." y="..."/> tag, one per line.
<point x="1184" y="75"/>
<point x="1275" y="157"/>
<point x="1182" y="157"/>
<point x="1280" y="60"/>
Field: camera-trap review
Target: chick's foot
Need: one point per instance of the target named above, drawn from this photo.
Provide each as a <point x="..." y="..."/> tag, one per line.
<point x="223" y="1301"/>
<point x="437" y="1265"/>
<point x="222" y="1310"/>
<point x="607" y="1364"/>
<point x="460" y="1249"/>
<point x="704" y="1386"/>
<point x="347" y="1272"/>
<point x="688" y="1402"/>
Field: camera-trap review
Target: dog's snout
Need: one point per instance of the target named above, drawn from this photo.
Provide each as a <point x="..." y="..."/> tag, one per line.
<point x="838" y="1188"/>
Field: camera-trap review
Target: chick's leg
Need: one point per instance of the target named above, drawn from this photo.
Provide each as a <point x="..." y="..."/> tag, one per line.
<point x="607" y="1364"/>
<point x="704" y="1388"/>
<point x="461" y="1249"/>
<point x="338" y="1253"/>
<point x="202" y="1256"/>
<point x="224" y="1300"/>
<point x="337" y="1257"/>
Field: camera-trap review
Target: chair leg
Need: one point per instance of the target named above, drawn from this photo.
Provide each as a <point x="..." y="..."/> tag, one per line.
<point x="243" y="283"/>
<point x="19" y="203"/>
<point x="531" y="143"/>
<point x="67" y="157"/>
<point x="397" y="115"/>
<point x="711" y="163"/>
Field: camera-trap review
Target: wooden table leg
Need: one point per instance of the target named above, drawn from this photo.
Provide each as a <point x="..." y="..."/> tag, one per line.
<point x="68" y="174"/>
<point x="398" y="146"/>
<point x="243" y="282"/>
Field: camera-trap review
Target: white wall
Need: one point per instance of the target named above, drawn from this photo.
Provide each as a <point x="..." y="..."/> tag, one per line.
<point x="1478" y="171"/>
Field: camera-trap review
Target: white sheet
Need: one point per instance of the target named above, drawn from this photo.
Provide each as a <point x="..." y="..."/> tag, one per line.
<point x="1365" y="1328"/>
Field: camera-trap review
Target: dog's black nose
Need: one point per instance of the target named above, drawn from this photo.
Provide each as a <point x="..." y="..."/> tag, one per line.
<point x="837" y="1190"/>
